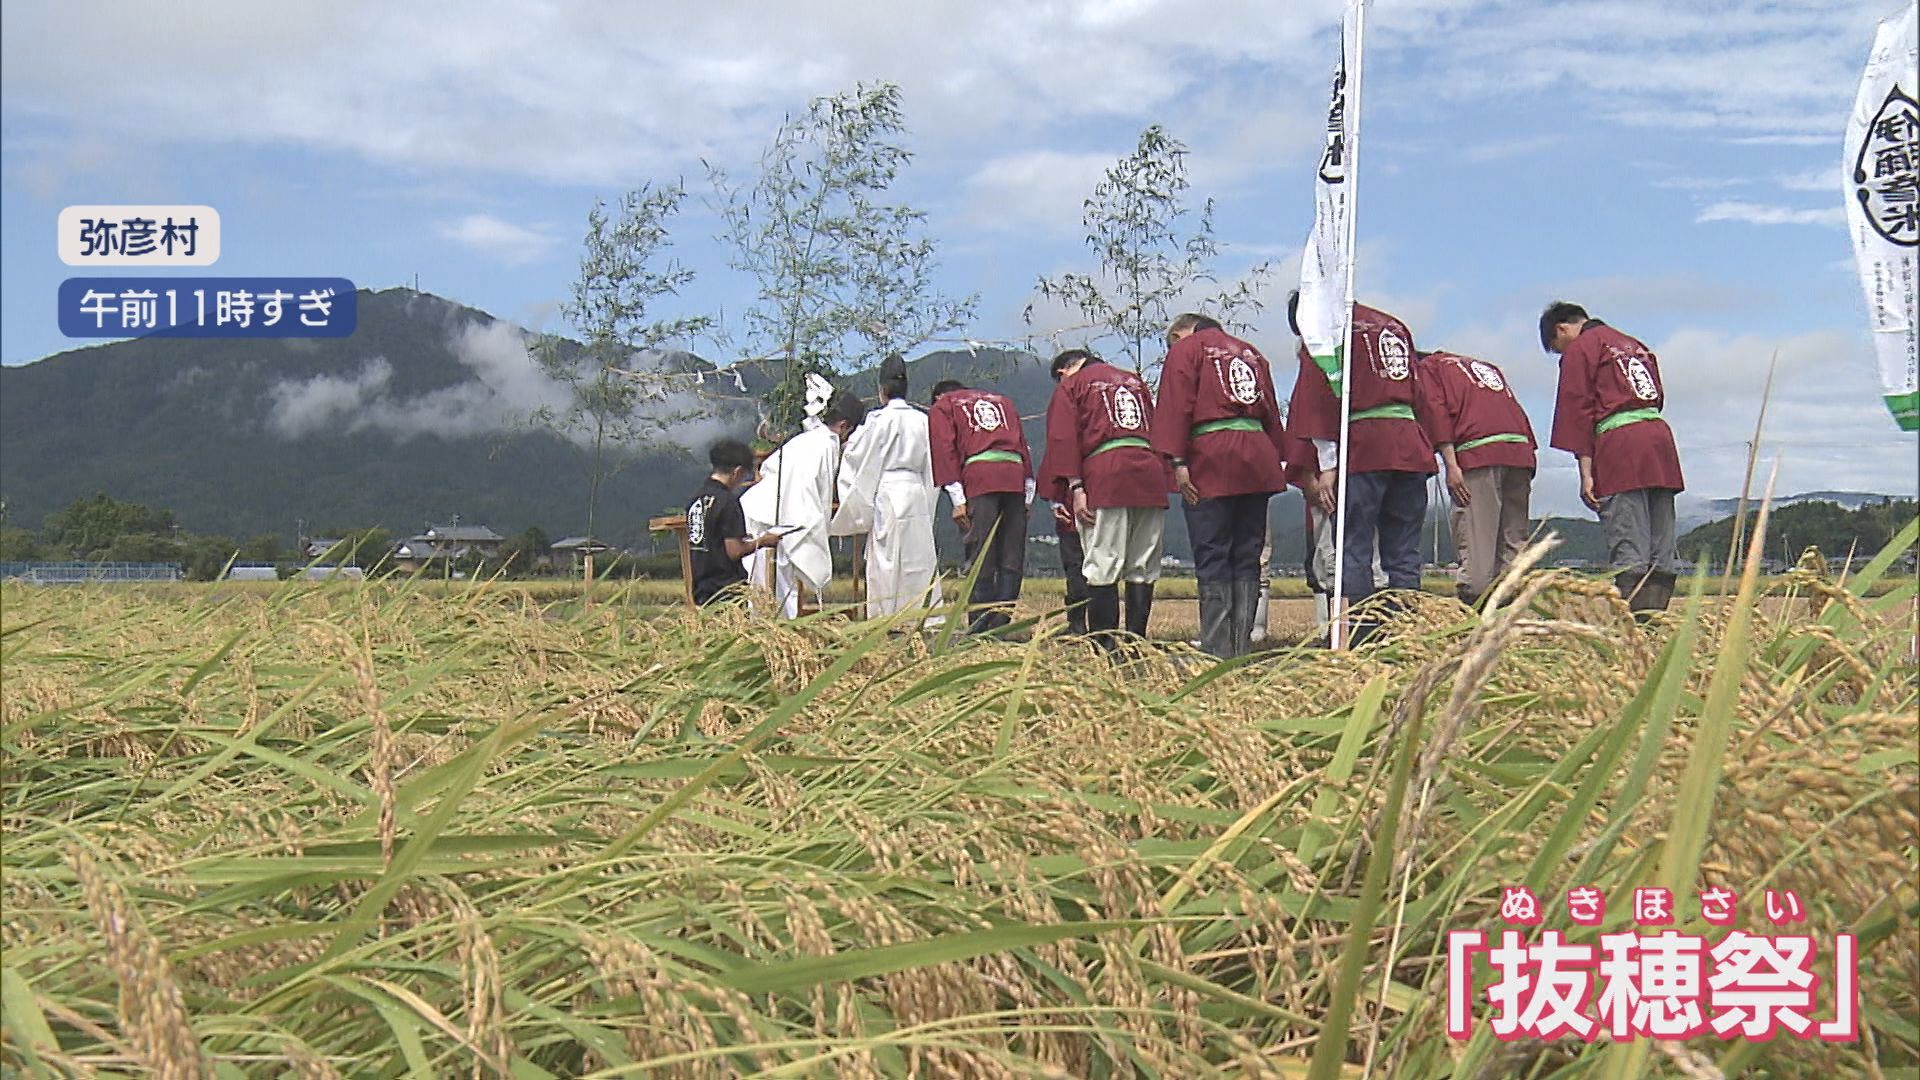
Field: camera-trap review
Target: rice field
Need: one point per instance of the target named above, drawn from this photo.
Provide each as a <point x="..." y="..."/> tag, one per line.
<point x="387" y="830"/>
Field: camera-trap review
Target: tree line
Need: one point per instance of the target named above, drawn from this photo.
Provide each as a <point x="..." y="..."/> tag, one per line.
<point x="100" y="528"/>
<point x="1827" y="526"/>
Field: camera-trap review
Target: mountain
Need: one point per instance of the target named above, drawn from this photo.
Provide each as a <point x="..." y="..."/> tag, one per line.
<point x="1846" y="500"/>
<point x="421" y="415"/>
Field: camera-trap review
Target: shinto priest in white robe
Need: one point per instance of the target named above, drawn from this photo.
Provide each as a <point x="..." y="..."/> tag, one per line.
<point x="796" y="489"/>
<point x="886" y="491"/>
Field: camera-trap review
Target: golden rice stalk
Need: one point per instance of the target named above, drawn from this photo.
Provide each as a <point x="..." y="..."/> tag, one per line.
<point x="152" y="1013"/>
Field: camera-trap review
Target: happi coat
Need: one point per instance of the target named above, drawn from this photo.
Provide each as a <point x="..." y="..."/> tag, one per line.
<point x="1606" y="376"/>
<point x="1469" y="403"/>
<point x="1384" y="428"/>
<point x="1218" y="412"/>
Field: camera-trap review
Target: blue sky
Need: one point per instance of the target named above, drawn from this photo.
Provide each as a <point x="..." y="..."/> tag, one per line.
<point x="1672" y="165"/>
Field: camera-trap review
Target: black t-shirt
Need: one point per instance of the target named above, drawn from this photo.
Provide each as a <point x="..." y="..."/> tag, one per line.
<point x="713" y="517"/>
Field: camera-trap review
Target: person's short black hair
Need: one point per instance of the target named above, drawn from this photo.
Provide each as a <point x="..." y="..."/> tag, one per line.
<point x="1560" y="311"/>
<point x="946" y="386"/>
<point x="727" y="455"/>
<point x="1293" y="311"/>
<point x="1195" y="322"/>
<point x="1069" y="358"/>
<point x="846" y="405"/>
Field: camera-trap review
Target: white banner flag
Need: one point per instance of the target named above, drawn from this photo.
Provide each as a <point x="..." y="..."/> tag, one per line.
<point x="1326" y="279"/>
<point x="1883" y="206"/>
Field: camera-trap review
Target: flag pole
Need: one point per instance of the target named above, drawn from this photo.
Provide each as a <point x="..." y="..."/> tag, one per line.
<point x="1351" y="120"/>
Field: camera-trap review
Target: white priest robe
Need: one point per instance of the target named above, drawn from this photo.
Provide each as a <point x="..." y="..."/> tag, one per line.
<point x="886" y="491"/>
<point x="795" y="489"/>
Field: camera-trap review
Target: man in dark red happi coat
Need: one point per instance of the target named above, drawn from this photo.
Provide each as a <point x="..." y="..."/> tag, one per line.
<point x="980" y="459"/>
<point x="1608" y="416"/>
<point x="1218" y="424"/>
<point x="1099" y="432"/>
<point x="1390" y="458"/>
<point x="1486" y="443"/>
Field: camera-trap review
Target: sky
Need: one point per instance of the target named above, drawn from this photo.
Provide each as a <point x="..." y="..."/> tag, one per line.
<point x="1672" y="165"/>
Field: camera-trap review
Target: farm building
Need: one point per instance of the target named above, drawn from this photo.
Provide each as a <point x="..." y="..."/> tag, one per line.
<point x="446" y="543"/>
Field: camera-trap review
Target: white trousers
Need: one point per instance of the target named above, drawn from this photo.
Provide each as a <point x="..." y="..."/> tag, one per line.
<point x="1124" y="542"/>
<point x="900" y="556"/>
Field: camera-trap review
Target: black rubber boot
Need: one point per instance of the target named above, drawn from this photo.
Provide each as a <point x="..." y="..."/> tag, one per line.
<point x="1077" y="616"/>
<point x="1139" y="607"/>
<point x="1467" y="595"/>
<point x="981" y="606"/>
<point x="1216" y="619"/>
<point x="1103" y="615"/>
<point x="1631" y="585"/>
<point x="1655" y="594"/>
<point x="1246" y="603"/>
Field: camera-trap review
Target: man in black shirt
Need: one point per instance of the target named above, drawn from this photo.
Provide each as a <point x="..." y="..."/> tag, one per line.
<point x="717" y="528"/>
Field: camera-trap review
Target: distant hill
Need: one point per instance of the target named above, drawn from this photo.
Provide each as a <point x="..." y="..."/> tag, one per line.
<point x="1849" y="500"/>
<point x="1809" y="522"/>
<point x="421" y="415"/>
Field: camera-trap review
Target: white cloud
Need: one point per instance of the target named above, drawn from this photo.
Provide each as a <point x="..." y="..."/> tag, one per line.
<point x="1505" y="149"/>
<point x="1826" y="179"/>
<point x="1035" y="189"/>
<point x="605" y="94"/>
<point x="503" y="240"/>
<point x="1754" y="213"/>
<point x="1701" y="183"/>
<point x="299" y="408"/>
<point x="500" y="394"/>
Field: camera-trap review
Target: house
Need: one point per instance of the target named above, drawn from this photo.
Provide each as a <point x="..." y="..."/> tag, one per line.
<point x="446" y="544"/>
<point x="575" y="549"/>
<point x="318" y="547"/>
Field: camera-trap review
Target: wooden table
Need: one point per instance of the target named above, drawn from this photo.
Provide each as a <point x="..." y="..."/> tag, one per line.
<point x="677" y="525"/>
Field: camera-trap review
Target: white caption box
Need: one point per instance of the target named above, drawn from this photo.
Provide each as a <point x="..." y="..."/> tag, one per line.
<point x="139" y="235"/>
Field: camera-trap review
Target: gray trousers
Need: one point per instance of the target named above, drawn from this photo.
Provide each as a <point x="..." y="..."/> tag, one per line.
<point x="1493" y="527"/>
<point x="1639" y="529"/>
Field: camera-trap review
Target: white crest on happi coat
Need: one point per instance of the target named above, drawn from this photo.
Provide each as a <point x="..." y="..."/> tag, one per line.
<point x="1486" y="375"/>
<point x="1125" y="409"/>
<point x="987" y="415"/>
<point x="1241" y="384"/>
<point x="1640" y="379"/>
<point x="1394" y="359"/>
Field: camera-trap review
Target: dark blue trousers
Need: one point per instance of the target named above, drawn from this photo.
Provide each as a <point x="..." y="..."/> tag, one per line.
<point x="1388" y="508"/>
<point x="1227" y="534"/>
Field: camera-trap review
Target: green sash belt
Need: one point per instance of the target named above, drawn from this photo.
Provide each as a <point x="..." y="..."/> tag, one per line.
<point x="1625" y="417"/>
<point x="1387" y="412"/>
<point x="1115" y="444"/>
<point x="1475" y="444"/>
<point x="993" y="455"/>
<point x="1237" y="423"/>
